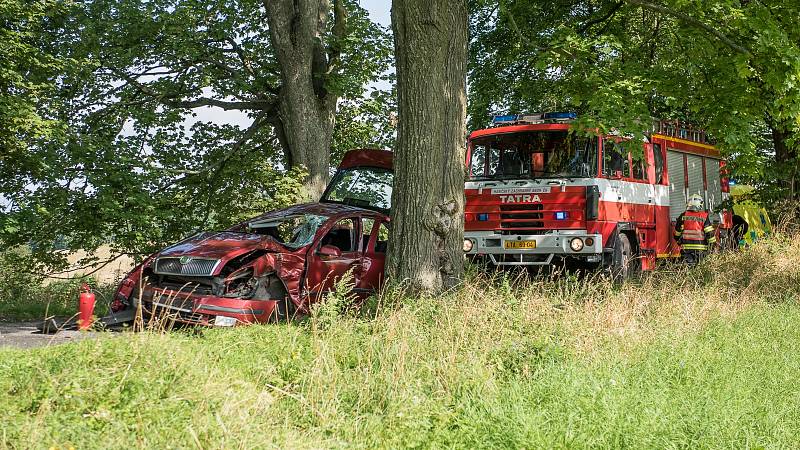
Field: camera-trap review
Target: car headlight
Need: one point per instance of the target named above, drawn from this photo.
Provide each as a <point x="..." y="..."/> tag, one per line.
<point x="468" y="244"/>
<point x="576" y="244"/>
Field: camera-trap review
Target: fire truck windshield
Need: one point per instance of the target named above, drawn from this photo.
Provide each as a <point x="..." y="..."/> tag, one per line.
<point x="533" y="154"/>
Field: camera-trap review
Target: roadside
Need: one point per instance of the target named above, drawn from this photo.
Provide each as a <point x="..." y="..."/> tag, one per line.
<point x="27" y="335"/>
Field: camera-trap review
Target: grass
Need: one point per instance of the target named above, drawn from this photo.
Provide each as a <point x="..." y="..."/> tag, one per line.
<point x="26" y="298"/>
<point x="680" y="359"/>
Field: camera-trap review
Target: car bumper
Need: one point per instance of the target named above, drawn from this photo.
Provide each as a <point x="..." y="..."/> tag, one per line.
<point x="540" y="249"/>
<point x="204" y="309"/>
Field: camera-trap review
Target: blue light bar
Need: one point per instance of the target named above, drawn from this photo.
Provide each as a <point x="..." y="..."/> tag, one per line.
<point x="561" y="215"/>
<point x="483" y="217"/>
<point x="560" y="115"/>
<point x="505" y="118"/>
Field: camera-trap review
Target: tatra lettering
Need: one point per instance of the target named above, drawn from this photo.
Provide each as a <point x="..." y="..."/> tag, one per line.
<point x="520" y="198"/>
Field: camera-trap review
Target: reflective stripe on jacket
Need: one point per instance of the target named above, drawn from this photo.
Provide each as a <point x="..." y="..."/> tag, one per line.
<point x="693" y="231"/>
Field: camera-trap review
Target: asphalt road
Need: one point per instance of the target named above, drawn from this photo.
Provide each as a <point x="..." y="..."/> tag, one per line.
<point x="27" y="335"/>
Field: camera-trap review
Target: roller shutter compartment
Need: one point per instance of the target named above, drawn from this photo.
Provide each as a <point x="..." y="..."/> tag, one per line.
<point x="694" y="165"/>
<point x="714" y="189"/>
<point x="677" y="193"/>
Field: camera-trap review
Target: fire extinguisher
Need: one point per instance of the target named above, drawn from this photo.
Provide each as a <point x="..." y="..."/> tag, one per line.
<point x="86" y="302"/>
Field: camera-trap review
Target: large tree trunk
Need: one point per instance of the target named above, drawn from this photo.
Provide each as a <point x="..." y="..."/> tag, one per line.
<point x="425" y="249"/>
<point x="786" y="155"/>
<point x="306" y="110"/>
<point x="306" y="132"/>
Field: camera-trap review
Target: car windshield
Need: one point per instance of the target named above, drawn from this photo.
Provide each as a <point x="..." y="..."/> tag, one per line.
<point x="365" y="187"/>
<point x="292" y="231"/>
<point x="533" y="154"/>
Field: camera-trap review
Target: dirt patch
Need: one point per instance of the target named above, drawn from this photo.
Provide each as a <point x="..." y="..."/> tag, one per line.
<point x="104" y="273"/>
<point x="27" y="335"/>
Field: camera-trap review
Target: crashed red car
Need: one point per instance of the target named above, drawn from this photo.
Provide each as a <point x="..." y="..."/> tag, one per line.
<point x="277" y="264"/>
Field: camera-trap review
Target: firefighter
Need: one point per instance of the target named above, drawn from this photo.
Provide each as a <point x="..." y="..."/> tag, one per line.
<point x="694" y="231"/>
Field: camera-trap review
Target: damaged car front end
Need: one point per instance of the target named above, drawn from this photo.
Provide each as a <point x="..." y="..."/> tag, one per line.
<point x="266" y="269"/>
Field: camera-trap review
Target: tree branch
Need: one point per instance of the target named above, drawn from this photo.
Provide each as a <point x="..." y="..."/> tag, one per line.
<point x="692" y="21"/>
<point x="97" y="265"/>
<point x="609" y="14"/>
<point x="503" y="8"/>
<point x="258" y="105"/>
<point x="339" y="34"/>
<point x="167" y="99"/>
<point x="248" y="134"/>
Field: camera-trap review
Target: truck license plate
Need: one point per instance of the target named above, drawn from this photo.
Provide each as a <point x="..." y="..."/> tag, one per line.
<point x="520" y="244"/>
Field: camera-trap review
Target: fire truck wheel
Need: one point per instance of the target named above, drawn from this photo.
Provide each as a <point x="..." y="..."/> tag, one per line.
<point x="621" y="264"/>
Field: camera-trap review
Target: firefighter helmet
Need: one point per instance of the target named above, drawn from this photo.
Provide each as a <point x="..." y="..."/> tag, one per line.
<point x="695" y="202"/>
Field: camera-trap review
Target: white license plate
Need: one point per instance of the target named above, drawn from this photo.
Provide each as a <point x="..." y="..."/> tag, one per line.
<point x="222" y="321"/>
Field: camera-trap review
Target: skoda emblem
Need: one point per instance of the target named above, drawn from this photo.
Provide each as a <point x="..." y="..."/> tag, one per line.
<point x="185" y="260"/>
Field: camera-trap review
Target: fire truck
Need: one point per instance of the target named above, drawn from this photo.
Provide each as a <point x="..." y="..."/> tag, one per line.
<point x="539" y="193"/>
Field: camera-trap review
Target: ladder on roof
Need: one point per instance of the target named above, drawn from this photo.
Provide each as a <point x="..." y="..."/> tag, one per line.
<point x="676" y="129"/>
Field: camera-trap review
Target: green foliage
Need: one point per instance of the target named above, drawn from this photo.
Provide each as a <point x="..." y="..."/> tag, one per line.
<point x="25" y="296"/>
<point x="728" y="66"/>
<point x="27" y="76"/>
<point x="143" y="159"/>
<point x="366" y="123"/>
<point x="685" y="358"/>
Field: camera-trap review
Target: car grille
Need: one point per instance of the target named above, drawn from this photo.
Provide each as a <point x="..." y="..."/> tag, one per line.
<point x="178" y="303"/>
<point x="183" y="287"/>
<point x="173" y="313"/>
<point x="192" y="266"/>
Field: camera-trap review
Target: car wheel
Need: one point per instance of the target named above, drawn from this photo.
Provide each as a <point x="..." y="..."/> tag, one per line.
<point x="284" y="311"/>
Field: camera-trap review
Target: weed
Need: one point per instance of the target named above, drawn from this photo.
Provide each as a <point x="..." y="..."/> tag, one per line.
<point x="700" y="357"/>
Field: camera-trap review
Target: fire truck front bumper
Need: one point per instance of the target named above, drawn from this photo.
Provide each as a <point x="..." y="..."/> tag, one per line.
<point x="541" y="249"/>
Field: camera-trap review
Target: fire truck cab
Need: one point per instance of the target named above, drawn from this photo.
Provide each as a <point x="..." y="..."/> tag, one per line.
<point x="538" y="192"/>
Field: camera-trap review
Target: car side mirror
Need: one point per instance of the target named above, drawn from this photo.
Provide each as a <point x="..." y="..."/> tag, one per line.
<point x="330" y="251"/>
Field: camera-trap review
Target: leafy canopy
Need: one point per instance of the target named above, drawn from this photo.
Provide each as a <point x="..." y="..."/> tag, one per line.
<point x="731" y="67"/>
<point x="146" y="153"/>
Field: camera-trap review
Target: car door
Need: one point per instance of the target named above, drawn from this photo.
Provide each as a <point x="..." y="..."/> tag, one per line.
<point x="375" y="239"/>
<point x="325" y="269"/>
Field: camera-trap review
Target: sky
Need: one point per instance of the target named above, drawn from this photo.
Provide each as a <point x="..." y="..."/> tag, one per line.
<point x="379" y="11"/>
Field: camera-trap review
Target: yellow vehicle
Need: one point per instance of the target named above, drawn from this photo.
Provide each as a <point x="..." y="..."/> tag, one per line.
<point x="750" y="219"/>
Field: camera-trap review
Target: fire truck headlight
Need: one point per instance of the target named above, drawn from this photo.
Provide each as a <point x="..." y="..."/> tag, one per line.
<point x="576" y="244"/>
<point x="589" y="241"/>
<point x="468" y="244"/>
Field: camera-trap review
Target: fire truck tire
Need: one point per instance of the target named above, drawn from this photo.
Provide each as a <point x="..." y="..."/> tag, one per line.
<point x="621" y="259"/>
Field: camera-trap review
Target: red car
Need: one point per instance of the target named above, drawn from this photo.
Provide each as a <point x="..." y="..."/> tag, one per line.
<point x="276" y="264"/>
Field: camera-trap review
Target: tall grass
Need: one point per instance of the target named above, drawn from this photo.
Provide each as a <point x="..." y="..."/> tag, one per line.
<point x="680" y="358"/>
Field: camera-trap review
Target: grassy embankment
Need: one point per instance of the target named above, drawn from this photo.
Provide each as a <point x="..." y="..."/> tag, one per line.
<point x="24" y="298"/>
<point x="700" y="358"/>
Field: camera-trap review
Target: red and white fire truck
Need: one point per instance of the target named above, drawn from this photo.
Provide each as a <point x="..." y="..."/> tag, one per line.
<point x="538" y="193"/>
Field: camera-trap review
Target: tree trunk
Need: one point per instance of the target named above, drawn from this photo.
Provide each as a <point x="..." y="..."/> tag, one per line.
<point x="306" y="110"/>
<point x="786" y="155"/>
<point x="307" y="131"/>
<point x="425" y="249"/>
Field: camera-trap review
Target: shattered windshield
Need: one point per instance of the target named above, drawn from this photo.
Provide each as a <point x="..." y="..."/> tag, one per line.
<point x="291" y="231"/>
<point x="365" y="187"/>
<point x="533" y="154"/>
